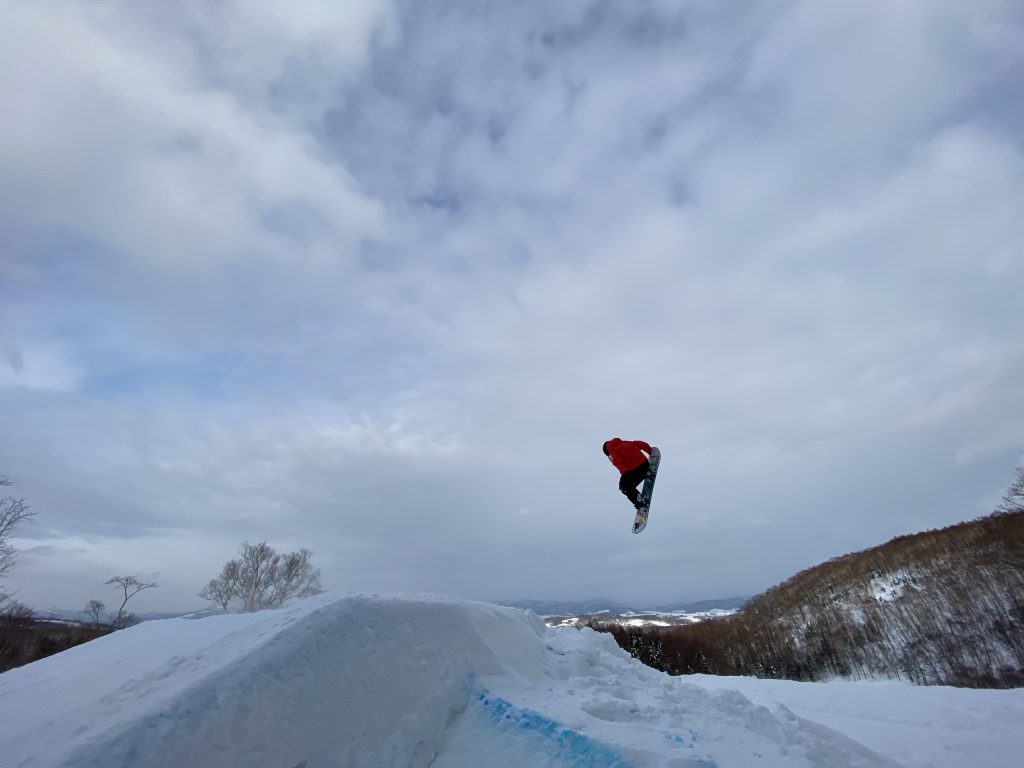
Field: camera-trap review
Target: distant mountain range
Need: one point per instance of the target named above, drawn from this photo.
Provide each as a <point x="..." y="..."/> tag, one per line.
<point x="540" y="607"/>
<point x="589" y="607"/>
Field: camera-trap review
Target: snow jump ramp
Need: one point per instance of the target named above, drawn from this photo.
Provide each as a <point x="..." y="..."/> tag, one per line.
<point x="377" y="681"/>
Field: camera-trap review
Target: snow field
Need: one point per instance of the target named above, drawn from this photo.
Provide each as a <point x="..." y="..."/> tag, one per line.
<point x="415" y="680"/>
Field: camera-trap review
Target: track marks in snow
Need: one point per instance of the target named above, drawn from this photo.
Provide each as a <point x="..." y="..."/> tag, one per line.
<point x="651" y="719"/>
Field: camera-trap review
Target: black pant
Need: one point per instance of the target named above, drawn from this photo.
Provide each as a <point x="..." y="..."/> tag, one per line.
<point x="631" y="479"/>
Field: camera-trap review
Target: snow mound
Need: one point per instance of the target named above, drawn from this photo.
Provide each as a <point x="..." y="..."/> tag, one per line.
<point x="356" y="681"/>
<point x="396" y="680"/>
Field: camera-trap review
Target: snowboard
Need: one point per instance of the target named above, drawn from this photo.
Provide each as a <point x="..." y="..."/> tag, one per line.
<point x="640" y="520"/>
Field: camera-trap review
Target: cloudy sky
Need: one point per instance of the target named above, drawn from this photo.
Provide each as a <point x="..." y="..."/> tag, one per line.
<point x="378" y="279"/>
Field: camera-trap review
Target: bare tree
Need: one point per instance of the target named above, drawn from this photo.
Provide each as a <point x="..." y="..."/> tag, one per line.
<point x="1013" y="499"/>
<point x="261" y="578"/>
<point x="93" y="609"/>
<point x="12" y="511"/>
<point x="223" y="589"/>
<point x="258" y="565"/>
<point x="131" y="587"/>
<point x="295" y="577"/>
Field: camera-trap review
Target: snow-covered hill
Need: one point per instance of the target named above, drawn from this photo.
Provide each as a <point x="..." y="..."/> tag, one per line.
<point x="407" y="680"/>
<point x="943" y="606"/>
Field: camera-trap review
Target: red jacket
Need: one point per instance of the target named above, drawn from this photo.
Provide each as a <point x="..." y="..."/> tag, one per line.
<point x="626" y="454"/>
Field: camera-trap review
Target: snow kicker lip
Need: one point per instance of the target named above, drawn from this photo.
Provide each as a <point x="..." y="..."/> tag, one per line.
<point x="568" y="746"/>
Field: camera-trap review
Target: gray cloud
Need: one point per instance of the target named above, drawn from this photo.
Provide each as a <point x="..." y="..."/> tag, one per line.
<point x="380" y="280"/>
<point x="15" y="359"/>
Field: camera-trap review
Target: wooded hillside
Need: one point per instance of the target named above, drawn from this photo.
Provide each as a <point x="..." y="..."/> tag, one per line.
<point x="939" y="607"/>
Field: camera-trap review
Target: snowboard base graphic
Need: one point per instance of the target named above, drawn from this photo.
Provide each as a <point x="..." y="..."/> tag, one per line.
<point x="640" y="520"/>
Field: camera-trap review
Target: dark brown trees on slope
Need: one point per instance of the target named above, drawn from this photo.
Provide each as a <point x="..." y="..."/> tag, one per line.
<point x="938" y="607"/>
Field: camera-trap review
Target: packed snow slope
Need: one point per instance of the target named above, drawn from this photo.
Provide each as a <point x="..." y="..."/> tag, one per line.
<point x="413" y="680"/>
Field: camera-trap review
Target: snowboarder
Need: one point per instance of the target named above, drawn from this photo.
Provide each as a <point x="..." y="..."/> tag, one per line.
<point x="628" y="457"/>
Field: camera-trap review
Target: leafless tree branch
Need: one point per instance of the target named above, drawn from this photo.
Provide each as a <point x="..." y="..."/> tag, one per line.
<point x="13" y="511"/>
<point x="130" y="586"/>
